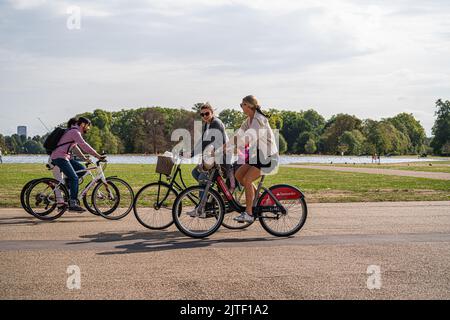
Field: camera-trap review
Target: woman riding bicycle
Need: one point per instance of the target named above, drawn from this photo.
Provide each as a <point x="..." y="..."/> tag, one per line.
<point x="263" y="157"/>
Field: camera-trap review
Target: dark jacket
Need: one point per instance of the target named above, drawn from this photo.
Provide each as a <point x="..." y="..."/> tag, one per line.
<point x="215" y="132"/>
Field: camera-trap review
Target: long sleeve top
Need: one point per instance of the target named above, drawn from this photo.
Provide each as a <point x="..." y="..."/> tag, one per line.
<point x="69" y="140"/>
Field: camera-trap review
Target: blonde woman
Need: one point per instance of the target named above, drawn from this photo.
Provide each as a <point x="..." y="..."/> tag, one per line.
<point x="257" y="134"/>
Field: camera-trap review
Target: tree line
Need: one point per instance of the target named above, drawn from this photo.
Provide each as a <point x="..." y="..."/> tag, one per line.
<point x="148" y="130"/>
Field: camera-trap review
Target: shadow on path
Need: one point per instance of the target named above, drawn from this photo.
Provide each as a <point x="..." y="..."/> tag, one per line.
<point x="160" y="241"/>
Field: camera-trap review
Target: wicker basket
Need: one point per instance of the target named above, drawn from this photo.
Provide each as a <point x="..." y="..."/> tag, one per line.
<point x="164" y="165"/>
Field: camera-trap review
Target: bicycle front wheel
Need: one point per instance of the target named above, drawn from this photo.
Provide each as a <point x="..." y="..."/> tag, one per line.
<point x="153" y="205"/>
<point x="194" y="221"/>
<point x="283" y="224"/>
<point x="113" y="200"/>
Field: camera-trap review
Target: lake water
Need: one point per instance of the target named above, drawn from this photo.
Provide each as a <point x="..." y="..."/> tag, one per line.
<point x="149" y="159"/>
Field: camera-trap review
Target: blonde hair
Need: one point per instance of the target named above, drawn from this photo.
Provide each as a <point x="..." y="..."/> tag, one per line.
<point x="251" y="99"/>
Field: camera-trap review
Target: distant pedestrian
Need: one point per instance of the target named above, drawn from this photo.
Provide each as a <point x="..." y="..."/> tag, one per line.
<point x="1" y="156"/>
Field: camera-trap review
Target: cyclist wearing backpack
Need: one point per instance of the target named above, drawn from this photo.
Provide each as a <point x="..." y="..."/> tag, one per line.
<point x="57" y="174"/>
<point x="61" y="157"/>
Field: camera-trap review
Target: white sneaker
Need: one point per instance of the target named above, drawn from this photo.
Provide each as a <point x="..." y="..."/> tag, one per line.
<point x="244" y="217"/>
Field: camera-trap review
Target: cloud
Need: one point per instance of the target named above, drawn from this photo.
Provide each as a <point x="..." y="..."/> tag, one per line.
<point x="336" y="56"/>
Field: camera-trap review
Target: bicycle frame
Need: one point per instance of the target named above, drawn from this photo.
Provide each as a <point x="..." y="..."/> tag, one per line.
<point x="173" y="184"/>
<point x="214" y="177"/>
<point x="100" y="176"/>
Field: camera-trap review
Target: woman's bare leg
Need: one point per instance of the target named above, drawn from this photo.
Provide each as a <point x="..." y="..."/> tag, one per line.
<point x="252" y="174"/>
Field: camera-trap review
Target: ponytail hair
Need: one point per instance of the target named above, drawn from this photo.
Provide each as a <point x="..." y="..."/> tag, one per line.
<point x="258" y="109"/>
<point x="254" y="102"/>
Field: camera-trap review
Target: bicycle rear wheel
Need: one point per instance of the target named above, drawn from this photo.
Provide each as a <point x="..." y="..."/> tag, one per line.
<point x="153" y="205"/>
<point x="22" y="196"/>
<point x="43" y="196"/>
<point x="283" y="224"/>
<point x="197" y="223"/>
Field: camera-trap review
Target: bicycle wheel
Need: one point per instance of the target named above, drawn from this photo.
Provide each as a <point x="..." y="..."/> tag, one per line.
<point x="126" y="198"/>
<point x="87" y="202"/>
<point x="105" y="198"/>
<point x="122" y="200"/>
<point x="228" y="220"/>
<point x="277" y="223"/>
<point x="197" y="223"/>
<point x="42" y="198"/>
<point x="22" y="195"/>
<point x="153" y="205"/>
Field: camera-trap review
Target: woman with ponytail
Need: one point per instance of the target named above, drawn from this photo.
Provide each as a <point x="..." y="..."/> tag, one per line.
<point x="257" y="134"/>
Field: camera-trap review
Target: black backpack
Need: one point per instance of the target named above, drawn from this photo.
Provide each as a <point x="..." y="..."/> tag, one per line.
<point x="51" y="143"/>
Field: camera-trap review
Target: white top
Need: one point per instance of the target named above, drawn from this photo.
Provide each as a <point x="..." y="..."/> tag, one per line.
<point x="258" y="133"/>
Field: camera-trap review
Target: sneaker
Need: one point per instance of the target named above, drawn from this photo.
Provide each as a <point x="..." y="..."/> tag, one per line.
<point x="74" y="207"/>
<point x="192" y="213"/>
<point x="244" y="217"/>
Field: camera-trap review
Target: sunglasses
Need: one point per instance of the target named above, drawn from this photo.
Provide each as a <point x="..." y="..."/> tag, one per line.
<point x="204" y="114"/>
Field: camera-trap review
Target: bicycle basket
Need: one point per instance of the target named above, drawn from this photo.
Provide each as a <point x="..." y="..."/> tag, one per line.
<point x="164" y="165"/>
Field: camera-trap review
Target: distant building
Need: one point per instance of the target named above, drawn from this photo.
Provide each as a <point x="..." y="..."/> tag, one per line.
<point x="22" y="131"/>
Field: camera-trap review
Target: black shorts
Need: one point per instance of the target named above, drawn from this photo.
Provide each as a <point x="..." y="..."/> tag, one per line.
<point x="267" y="162"/>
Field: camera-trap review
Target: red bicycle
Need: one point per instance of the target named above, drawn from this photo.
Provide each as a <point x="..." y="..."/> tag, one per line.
<point x="198" y="211"/>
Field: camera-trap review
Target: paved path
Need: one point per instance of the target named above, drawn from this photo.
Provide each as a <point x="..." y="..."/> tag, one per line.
<point x="390" y="172"/>
<point x="327" y="259"/>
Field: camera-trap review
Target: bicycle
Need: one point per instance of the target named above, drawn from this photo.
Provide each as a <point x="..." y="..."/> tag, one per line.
<point x="277" y="205"/>
<point x="43" y="196"/>
<point x="153" y="202"/>
<point x="85" y="197"/>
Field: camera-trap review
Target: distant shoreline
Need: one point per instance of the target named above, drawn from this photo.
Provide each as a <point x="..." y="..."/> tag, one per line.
<point x="284" y="159"/>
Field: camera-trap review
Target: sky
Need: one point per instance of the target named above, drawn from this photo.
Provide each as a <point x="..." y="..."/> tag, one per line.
<point x="372" y="59"/>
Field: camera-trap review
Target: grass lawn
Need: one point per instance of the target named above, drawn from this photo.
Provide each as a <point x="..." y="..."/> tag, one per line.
<point x="432" y="166"/>
<point x="318" y="185"/>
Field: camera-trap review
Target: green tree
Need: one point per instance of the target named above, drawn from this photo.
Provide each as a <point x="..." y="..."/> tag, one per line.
<point x="33" y="147"/>
<point x="232" y="119"/>
<point x="310" y="146"/>
<point x="123" y="123"/>
<point x="293" y="126"/>
<point x="3" y="144"/>
<point x="93" y="137"/>
<point x="316" y="121"/>
<point x="150" y="132"/>
<point x="354" y="141"/>
<point x="301" y="141"/>
<point x="406" y="123"/>
<point x="275" y="119"/>
<point x="441" y="128"/>
<point x="110" y="143"/>
<point x="334" y="129"/>
<point x="282" y="144"/>
<point x="384" y="138"/>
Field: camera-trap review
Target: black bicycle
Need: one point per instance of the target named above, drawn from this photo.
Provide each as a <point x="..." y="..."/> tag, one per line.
<point x="153" y="202"/>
